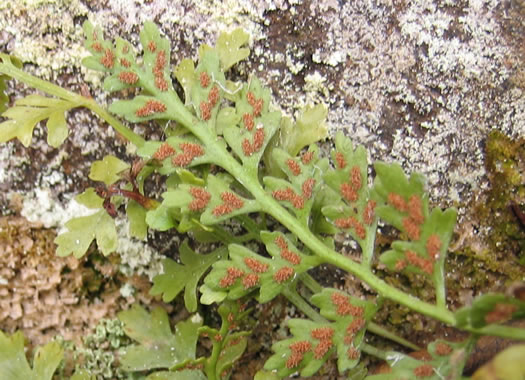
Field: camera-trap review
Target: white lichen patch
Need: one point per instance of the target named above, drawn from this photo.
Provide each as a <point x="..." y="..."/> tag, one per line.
<point x="40" y="206"/>
<point x="127" y="290"/>
<point x="9" y="160"/>
<point x="294" y="66"/>
<point x="136" y="257"/>
<point x="315" y="85"/>
<point x="196" y="318"/>
<point x="41" y="32"/>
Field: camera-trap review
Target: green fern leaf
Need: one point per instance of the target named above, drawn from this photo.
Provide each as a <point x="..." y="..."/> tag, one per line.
<point x="13" y="362"/>
<point x="107" y="170"/>
<point x="229" y="46"/>
<point x="309" y="128"/>
<point x="304" y="180"/>
<point x="83" y="230"/>
<point x="490" y="308"/>
<point x="29" y="111"/>
<point x="177" y="277"/>
<point x="185" y="374"/>
<point x="158" y="346"/>
<point x="246" y="270"/>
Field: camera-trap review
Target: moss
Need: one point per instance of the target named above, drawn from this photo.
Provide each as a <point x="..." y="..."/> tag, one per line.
<point x="505" y="169"/>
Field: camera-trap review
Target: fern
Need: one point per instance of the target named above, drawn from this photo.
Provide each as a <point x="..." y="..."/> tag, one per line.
<point x="215" y="176"/>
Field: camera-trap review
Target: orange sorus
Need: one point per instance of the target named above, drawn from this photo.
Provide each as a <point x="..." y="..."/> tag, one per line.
<point x="289" y="195"/>
<point x="294" y="360"/>
<point x="352" y="353"/>
<point x="255" y="265"/>
<point x="368" y="212"/>
<point x="443" y="349"/>
<point x="425" y="265"/>
<point x="322" y="348"/>
<point x="108" y="59"/>
<point x="291" y="257"/>
<point x="204" y="79"/>
<point x="152" y="46"/>
<point x="433" y="246"/>
<point x="213" y="96"/>
<point x="124" y="62"/>
<point x="348" y="192"/>
<point x="308" y="187"/>
<point x="97" y="46"/>
<point x="322" y="333"/>
<point x="301" y="346"/>
<point x="411" y="228"/>
<point x="398" y="202"/>
<point x="151" y="107"/>
<point x="247" y="119"/>
<point x="283" y="274"/>
<point x="232" y="200"/>
<point x="128" y="77"/>
<point x="415" y="209"/>
<point x="164" y="151"/>
<point x="195" y="150"/>
<point x="205" y="110"/>
<point x="281" y="243"/>
<point x="221" y="210"/>
<point x="294" y="167"/>
<point x="201" y="198"/>
<point x="425" y="370"/>
<point x="340" y="159"/>
<point x="161" y="83"/>
<point x="355" y="177"/>
<point x="250" y="280"/>
<point x="307" y="157"/>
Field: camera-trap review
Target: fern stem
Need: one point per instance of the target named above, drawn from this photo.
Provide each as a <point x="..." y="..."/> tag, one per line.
<point x="40" y="84"/>
<point x="210" y="367"/>
<point x="381" y="331"/>
<point x="439" y="285"/>
<point x="302" y="305"/>
<point x="126" y="132"/>
<point x="310" y="283"/>
<point x="509" y="332"/>
<point x="330" y="256"/>
<point x="248" y="179"/>
<point x="371" y="350"/>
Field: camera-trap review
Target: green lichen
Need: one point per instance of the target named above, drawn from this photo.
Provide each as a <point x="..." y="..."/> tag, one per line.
<point x="98" y="352"/>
